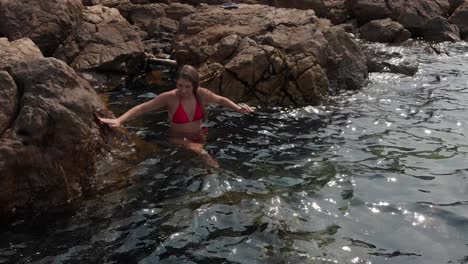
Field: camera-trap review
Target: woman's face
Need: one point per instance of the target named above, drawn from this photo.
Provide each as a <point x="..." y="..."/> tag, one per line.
<point x="185" y="87"/>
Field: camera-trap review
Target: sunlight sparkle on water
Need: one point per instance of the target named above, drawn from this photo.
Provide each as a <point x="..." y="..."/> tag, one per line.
<point x="316" y="207"/>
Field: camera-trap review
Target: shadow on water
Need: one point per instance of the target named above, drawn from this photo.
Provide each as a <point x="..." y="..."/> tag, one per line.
<point x="378" y="176"/>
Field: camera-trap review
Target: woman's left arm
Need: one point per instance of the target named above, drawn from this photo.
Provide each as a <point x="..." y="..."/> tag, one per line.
<point x="210" y="97"/>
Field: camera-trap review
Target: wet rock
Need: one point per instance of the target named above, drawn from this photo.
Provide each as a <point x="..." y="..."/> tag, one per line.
<point x="50" y="141"/>
<point x="384" y="30"/>
<point x="46" y="23"/>
<point x="346" y="63"/>
<point x="271" y="55"/>
<point x="390" y="59"/>
<point x="460" y="19"/>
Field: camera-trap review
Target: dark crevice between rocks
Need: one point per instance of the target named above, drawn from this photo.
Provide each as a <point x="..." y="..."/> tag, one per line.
<point x="250" y="89"/>
<point x="288" y="77"/>
<point x="390" y="9"/>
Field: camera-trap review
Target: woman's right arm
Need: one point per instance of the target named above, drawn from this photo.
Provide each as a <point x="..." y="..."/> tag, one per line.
<point x="154" y="104"/>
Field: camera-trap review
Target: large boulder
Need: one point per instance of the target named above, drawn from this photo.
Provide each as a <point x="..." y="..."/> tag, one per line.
<point x="368" y="10"/>
<point x="426" y="19"/>
<point x="47" y="23"/>
<point x="439" y="29"/>
<point x="273" y="55"/>
<point x="460" y="18"/>
<point x="103" y="37"/>
<point x="104" y="43"/>
<point x="50" y="140"/>
<point x="159" y="22"/>
<point x="417" y="16"/>
<point x="384" y="30"/>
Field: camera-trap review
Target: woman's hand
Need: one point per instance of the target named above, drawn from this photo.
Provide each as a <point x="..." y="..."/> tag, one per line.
<point x="245" y="109"/>
<point x="113" y="122"/>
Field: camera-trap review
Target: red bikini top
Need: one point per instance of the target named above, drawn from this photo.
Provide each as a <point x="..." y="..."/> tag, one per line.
<point x="180" y="116"/>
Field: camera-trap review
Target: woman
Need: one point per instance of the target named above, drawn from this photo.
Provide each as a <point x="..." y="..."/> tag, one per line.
<point x="185" y="108"/>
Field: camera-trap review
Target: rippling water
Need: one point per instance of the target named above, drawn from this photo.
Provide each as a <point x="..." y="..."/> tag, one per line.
<point x="378" y="176"/>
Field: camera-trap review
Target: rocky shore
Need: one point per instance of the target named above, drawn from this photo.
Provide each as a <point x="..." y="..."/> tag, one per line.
<point x="272" y="52"/>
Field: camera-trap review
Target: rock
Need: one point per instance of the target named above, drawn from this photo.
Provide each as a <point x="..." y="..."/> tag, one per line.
<point x="346" y="65"/>
<point x="454" y="4"/>
<point x="439" y="29"/>
<point x="177" y="11"/>
<point x="390" y="59"/>
<point x="51" y="141"/>
<point x="460" y="19"/>
<point x="103" y="42"/>
<point x="103" y="37"/>
<point x="422" y="18"/>
<point x="414" y="15"/>
<point x="108" y="3"/>
<point x="46" y="23"/>
<point x="384" y="30"/>
<point x="18" y="50"/>
<point x="273" y="55"/>
<point x="158" y="21"/>
<point x="367" y="10"/>
<point x="8" y="101"/>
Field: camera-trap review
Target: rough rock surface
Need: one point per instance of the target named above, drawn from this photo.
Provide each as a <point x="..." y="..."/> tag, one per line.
<point x="49" y="137"/>
<point x="423" y="18"/>
<point x="47" y="23"/>
<point x="103" y="37"/>
<point x="384" y="30"/>
<point x="272" y="55"/>
<point x="460" y="18"/>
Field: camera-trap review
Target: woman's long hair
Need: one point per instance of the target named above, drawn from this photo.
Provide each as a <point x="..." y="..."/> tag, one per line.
<point x="189" y="73"/>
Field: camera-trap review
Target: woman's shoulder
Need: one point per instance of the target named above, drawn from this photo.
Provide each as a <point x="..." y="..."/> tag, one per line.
<point x="169" y="94"/>
<point x="204" y="91"/>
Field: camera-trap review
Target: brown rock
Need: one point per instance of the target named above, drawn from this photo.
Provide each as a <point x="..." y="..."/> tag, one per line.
<point x="44" y="22"/>
<point x="50" y="144"/>
<point x="384" y="30"/>
<point x="102" y="38"/>
<point x="255" y="46"/>
<point x="414" y="15"/>
<point x="439" y="29"/>
<point x="367" y="10"/>
<point x="460" y="19"/>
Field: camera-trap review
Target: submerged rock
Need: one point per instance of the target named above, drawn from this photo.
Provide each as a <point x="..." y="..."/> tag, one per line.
<point x="50" y="139"/>
<point x="390" y="59"/>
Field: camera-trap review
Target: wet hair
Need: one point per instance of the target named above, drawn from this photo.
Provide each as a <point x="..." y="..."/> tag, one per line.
<point x="189" y="73"/>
